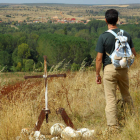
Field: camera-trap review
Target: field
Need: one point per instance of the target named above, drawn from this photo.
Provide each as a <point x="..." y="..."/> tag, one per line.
<point x="45" y="12"/>
<point x="22" y="100"/>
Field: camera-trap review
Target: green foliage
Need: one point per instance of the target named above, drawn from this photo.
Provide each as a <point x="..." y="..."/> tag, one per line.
<point x="19" y="66"/>
<point x="95" y="24"/>
<point x="13" y="68"/>
<point x="15" y="57"/>
<point x="8" y="16"/>
<point x="4" y="58"/>
<point x="29" y="65"/>
<point x="7" y="43"/>
<point x="83" y="34"/>
<point x="101" y="30"/>
<point x="75" y="67"/>
<point x="60" y="31"/>
<point x="22" y="40"/>
<point x="137" y="44"/>
<point x="132" y="29"/>
<point x="59" y="47"/>
<point x="3" y="68"/>
<point x="23" y="51"/>
<point x="72" y="42"/>
<point x="65" y="30"/>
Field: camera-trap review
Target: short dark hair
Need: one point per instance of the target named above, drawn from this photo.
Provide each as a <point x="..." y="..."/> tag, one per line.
<point x="111" y="16"/>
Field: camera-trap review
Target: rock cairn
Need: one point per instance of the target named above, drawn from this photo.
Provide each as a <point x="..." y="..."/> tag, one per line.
<point x="58" y="132"/>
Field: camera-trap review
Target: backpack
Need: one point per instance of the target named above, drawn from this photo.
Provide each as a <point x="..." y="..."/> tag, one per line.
<point x="122" y="56"/>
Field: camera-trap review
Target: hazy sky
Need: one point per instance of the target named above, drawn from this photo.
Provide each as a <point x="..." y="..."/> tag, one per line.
<point x="73" y="1"/>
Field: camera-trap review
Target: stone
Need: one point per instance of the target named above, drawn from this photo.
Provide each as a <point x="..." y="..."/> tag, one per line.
<point x="55" y="138"/>
<point x="35" y="135"/>
<point x="86" y="133"/>
<point x="70" y="134"/>
<point x="24" y="135"/>
<point x="56" y="129"/>
<point x="82" y="130"/>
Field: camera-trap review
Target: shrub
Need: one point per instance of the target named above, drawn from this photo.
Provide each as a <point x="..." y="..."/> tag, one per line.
<point x="29" y="65"/>
<point x="75" y="67"/>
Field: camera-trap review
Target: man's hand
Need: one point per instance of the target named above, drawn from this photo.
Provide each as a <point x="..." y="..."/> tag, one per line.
<point x="98" y="79"/>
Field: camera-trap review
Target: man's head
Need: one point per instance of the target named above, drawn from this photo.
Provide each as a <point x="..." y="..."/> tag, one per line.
<point x="111" y="16"/>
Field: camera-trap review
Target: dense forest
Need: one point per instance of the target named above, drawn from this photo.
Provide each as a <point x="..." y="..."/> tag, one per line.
<point x="22" y="46"/>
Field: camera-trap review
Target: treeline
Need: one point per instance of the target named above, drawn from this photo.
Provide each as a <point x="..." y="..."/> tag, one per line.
<point x="22" y="46"/>
<point x="131" y="19"/>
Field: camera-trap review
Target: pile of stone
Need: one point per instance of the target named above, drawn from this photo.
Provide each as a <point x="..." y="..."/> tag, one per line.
<point x="58" y="132"/>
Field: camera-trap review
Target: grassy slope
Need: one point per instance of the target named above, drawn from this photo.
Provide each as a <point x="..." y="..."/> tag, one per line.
<point x="78" y="93"/>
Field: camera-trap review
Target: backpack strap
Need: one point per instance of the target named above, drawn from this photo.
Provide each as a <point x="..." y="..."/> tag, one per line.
<point x="112" y="32"/>
<point x="122" y="31"/>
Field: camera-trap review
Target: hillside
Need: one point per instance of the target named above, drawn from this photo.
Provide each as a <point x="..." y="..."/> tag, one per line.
<point x="78" y="93"/>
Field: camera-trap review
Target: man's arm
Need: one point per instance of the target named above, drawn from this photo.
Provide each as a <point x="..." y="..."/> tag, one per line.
<point x="133" y="51"/>
<point x="98" y="67"/>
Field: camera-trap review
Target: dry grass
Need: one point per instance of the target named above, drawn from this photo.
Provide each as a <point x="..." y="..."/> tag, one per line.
<point x="78" y="93"/>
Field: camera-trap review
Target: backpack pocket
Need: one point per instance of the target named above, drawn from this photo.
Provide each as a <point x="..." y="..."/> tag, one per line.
<point x="117" y="57"/>
<point x="119" y="62"/>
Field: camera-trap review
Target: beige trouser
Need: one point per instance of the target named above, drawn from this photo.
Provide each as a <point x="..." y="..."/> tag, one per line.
<point x="112" y="78"/>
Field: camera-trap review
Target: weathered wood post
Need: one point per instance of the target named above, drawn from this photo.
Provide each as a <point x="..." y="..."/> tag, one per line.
<point x="47" y="111"/>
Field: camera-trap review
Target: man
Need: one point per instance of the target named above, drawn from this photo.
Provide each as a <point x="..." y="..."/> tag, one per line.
<point x="112" y="77"/>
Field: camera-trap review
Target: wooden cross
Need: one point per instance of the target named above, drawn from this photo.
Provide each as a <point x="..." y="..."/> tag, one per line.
<point x="45" y="111"/>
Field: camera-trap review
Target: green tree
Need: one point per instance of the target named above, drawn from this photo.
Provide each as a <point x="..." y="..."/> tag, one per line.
<point x="60" y="31"/>
<point x="83" y="34"/>
<point x="65" y="30"/>
<point x="19" y="66"/>
<point x="59" y="47"/>
<point x="4" y="58"/>
<point x="15" y="57"/>
<point x="23" y="51"/>
<point x="29" y="65"/>
<point x="22" y="39"/>
<point x="7" y="43"/>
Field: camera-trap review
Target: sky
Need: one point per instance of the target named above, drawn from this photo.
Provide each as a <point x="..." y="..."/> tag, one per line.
<point x="73" y="1"/>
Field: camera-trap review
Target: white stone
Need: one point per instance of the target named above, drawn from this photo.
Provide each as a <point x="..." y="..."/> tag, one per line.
<point x="24" y="133"/>
<point x="86" y="133"/>
<point x="55" y="138"/>
<point x="56" y="129"/>
<point x="31" y="137"/>
<point x="70" y="134"/>
<point x="82" y="130"/>
<point x="36" y="134"/>
<point x="41" y="137"/>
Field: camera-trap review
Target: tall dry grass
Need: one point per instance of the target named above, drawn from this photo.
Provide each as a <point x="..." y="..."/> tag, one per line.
<point x="78" y="93"/>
